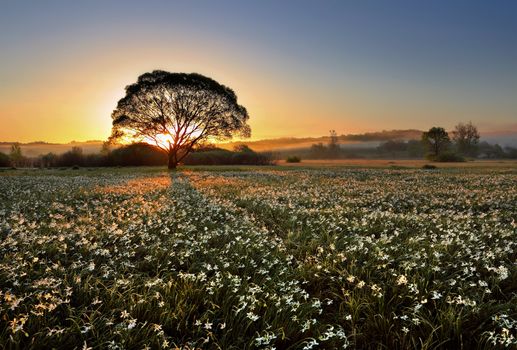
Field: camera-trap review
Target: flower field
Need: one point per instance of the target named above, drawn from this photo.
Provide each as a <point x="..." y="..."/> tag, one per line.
<point x="258" y="258"/>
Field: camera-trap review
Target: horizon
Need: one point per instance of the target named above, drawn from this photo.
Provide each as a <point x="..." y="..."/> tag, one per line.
<point x="483" y="134"/>
<point x="300" y="68"/>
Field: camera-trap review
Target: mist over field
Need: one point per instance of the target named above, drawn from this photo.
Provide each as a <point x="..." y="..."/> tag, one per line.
<point x="365" y="140"/>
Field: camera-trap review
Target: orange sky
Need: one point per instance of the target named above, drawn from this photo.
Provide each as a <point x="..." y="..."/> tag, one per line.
<point x="72" y="99"/>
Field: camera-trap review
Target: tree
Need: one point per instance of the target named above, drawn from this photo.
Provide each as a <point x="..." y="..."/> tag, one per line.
<point x="177" y="111"/>
<point x="437" y="140"/>
<point x="4" y="160"/>
<point x="466" y="138"/>
<point x="72" y="158"/>
<point x="392" y="147"/>
<point x="16" y="155"/>
<point x="48" y="159"/>
<point x="242" y="149"/>
<point x="318" y="150"/>
<point x="333" y="147"/>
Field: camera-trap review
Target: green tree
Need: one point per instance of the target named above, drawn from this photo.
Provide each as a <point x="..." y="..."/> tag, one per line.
<point x="437" y="141"/>
<point x="177" y="111"/>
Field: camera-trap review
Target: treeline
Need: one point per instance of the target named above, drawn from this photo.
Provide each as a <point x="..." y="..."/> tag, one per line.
<point x="416" y="149"/>
<point x="460" y="144"/>
<point x="242" y="155"/>
<point x="388" y="149"/>
<point x="436" y="144"/>
<point x="137" y="154"/>
<point x="384" y="135"/>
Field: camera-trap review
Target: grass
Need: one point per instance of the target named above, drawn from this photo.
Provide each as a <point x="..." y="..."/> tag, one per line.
<point x="291" y="257"/>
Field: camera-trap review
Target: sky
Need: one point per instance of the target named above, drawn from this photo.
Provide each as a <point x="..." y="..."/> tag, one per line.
<point x="301" y="68"/>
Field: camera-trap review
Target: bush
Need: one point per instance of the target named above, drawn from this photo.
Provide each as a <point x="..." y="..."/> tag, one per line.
<point x="445" y="157"/>
<point x="137" y="154"/>
<point x="293" y="159"/>
<point x="449" y="157"/>
<point x="429" y="166"/>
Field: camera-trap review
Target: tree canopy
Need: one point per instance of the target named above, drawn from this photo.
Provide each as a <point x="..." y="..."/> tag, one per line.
<point x="466" y="137"/>
<point x="177" y="111"/>
<point x="436" y="139"/>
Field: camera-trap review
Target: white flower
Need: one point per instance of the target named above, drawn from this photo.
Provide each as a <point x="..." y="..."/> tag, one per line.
<point x="131" y="324"/>
<point x="252" y="316"/>
<point x="401" y="280"/>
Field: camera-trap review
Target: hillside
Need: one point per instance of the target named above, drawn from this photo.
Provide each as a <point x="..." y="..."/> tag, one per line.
<point x="369" y="139"/>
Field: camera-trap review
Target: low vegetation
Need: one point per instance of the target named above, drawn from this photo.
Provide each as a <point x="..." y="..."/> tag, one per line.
<point x="293" y="159"/>
<point x="280" y="258"/>
<point x="138" y="154"/>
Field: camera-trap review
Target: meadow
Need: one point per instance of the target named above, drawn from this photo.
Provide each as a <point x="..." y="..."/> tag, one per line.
<point x="275" y="257"/>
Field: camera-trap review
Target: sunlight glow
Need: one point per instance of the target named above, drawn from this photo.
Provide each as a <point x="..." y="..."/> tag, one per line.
<point x="162" y="140"/>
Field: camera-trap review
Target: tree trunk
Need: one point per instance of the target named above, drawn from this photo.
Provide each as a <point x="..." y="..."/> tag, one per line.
<point x="173" y="162"/>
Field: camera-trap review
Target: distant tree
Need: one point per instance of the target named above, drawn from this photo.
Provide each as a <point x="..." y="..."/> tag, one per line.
<point x="72" y="157"/>
<point x="498" y="151"/>
<point x="242" y="149"/>
<point x="177" y="111"/>
<point x="137" y="154"/>
<point x="494" y="151"/>
<point x="4" y="160"/>
<point x="16" y="155"/>
<point x="511" y="152"/>
<point x="106" y="148"/>
<point x="242" y="154"/>
<point x="437" y="140"/>
<point x="392" y="147"/>
<point x="333" y="146"/>
<point x="415" y="148"/>
<point x="48" y="160"/>
<point x="466" y="138"/>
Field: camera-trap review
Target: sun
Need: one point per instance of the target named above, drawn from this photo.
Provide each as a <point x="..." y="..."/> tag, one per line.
<point x="162" y="140"/>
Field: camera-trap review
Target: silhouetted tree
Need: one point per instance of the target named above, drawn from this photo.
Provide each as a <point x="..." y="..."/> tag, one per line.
<point x="333" y="147"/>
<point x="437" y="140"/>
<point x="176" y="111"/>
<point x="4" y="160"/>
<point x="243" y="149"/>
<point x="16" y="155"/>
<point x="466" y="138"/>
<point x="72" y="158"/>
<point x="48" y="160"/>
<point x="242" y="154"/>
<point x="318" y="150"/>
<point x="137" y="154"/>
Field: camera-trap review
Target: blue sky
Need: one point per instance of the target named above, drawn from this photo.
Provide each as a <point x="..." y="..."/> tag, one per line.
<point x="300" y="67"/>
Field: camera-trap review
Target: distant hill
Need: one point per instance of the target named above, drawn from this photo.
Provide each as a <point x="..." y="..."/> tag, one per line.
<point x="369" y="139"/>
<point x="34" y="149"/>
<point x="365" y="140"/>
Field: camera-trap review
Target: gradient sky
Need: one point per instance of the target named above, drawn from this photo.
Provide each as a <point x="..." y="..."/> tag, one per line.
<point x="300" y="67"/>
